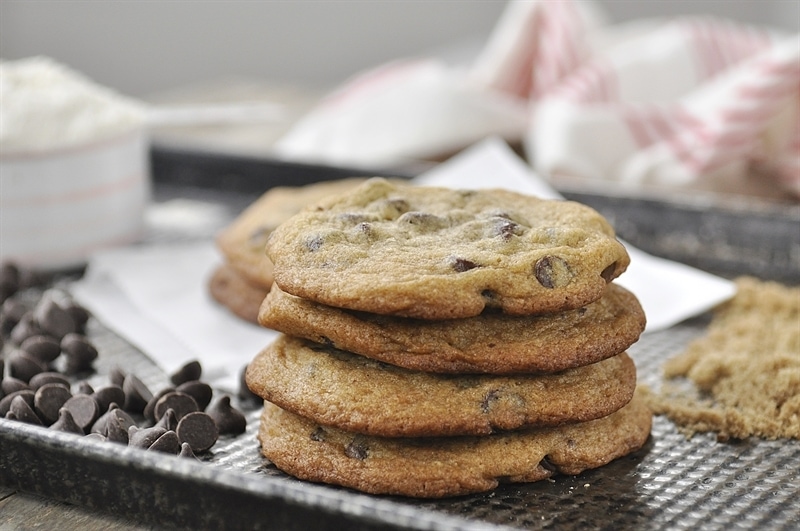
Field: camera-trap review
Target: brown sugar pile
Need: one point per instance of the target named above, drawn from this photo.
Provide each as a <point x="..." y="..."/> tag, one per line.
<point x="746" y="369"/>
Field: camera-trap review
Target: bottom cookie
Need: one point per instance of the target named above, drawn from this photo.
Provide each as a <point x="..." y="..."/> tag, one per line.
<point x="232" y="290"/>
<point x="446" y="466"/>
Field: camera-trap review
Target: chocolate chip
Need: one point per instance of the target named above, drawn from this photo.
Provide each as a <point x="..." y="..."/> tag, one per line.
<point x="84" y="410"/>
<point x="167" y="443"/>
<point x="80" y="316"/>
<point x="136" y="394"/>
<point x="110" y="394"/>
<point x="244" y="393"/>
<point x="168" y="420"/>
<point x="101" y="424"/>
<point x="5" y="403"/>
<point x="42" y="347"/>
<point x="186" y="451"/>
<point x="314" y="243"/>
<point x="149" y="409"/>
<point x="423" y="219"/>
<point x="552" y="272"/>
<point x="48" y="377"/>
<point x="66" y="423"/>
<point x="11" y="314"/>
<point x="506" y="229"/>
<point x="53" y="319"/>
<point x="547" y="464"/>
<point x="23" y="412"/>
<point x="48" y="400"/>
<point x="25" y="328"/>
<point x="79" y="351"/>
<point x="190" y="371"/>
<point x="461" y="265"/>
<point x="490" y="299"/>
<point x="198" y="430"/>
<point x="229" y="420"/>
<point x="116" y="376"/>
<point x="318" y="435"/>
<point x="12" y="385"/>
<point x="200" y="391"/>
<point x="95" y="437"/>
<point x="396" y="207"/>
<point x="9" y="280"/>
<point x="608" y="272"/>
<point x="357" y="449"/>
<point x="118" y="424"/>
<point x="24" y="366"/>
<point x="491" y="397"/>
<point x="181" y="403"/>
<point x="144" y="437"/>
<point x="84" y="388"/>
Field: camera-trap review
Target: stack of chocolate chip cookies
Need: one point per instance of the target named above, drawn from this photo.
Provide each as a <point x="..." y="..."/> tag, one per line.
<point x="437" y="342"/>
<point x="242" y="281"/>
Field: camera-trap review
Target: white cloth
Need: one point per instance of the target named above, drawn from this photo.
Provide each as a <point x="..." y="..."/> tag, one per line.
<point x="157" y="296"/>
<point x="399" y="112"/>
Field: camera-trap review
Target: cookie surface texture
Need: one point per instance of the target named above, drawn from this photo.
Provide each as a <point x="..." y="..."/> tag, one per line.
<point x="361" y="395"/>
<point x="232" y="290"/>
<point x="489" y="343"/>
<point x="437" y="253"/>
<point x="447" y="466"/>
<point x="243" y="242"/>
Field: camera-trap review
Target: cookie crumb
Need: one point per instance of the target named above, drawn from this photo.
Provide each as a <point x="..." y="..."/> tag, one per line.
<point x="742" y="378"/>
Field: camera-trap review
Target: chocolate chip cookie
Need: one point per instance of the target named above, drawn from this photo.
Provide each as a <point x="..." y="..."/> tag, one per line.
<point x="489" y="343"/>
<point x="235" y="292"/>
<point x="446" y="466"/>
<point x="362" y="395"/>
<point x="242" y="243"/>
<point x="437" y="253"/>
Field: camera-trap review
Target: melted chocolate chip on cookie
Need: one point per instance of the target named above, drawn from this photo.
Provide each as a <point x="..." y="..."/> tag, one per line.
<point x="552" y="272"/>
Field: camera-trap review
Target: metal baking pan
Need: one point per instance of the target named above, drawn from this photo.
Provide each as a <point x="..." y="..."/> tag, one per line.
<point x="672" y="483"/>
<point x="725" y="234"/>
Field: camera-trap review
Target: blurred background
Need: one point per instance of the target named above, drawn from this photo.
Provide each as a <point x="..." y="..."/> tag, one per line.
<point x="145" y="48"/>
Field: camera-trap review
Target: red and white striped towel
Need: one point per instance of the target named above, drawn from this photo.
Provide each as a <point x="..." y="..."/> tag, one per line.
<point x="669" y="102"/>
<point x="652" y="101"/>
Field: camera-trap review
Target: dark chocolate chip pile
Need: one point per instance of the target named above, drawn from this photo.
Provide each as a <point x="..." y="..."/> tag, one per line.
<point x="46" y="356"/>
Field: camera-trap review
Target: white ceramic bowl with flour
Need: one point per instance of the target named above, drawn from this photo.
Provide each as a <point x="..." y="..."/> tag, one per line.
<point x="74" y="169"/>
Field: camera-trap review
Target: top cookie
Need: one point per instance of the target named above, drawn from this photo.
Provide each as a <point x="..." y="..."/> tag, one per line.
<point x="437" y="253"/>
<point x="242" y="243"/>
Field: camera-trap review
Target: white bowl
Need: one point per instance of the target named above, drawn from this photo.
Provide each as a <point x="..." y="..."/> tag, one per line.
<point x="57" y="207"/>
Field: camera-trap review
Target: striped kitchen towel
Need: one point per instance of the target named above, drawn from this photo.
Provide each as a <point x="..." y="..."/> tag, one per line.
<point x="659" y="101"/>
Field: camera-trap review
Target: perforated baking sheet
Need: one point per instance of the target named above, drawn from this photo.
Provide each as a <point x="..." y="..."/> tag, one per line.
<point x="672" y="483"/>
